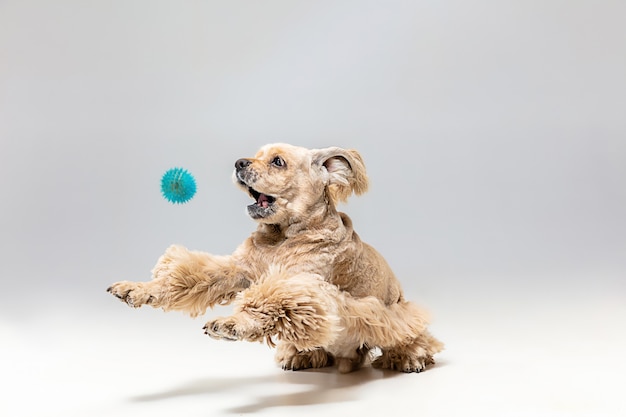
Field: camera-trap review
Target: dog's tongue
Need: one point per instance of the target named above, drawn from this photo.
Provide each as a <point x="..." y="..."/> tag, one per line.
<point x="263" y="201"/>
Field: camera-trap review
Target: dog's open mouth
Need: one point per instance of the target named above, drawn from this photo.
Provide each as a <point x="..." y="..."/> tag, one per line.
<point x="262" y="200"/>
<point x="263" y="205"/>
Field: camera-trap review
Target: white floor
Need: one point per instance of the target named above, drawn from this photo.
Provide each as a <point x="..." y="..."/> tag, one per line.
<point x="525" y="355"/>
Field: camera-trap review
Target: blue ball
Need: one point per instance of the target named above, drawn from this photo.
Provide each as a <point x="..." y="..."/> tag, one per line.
<point x="178" y="186"/>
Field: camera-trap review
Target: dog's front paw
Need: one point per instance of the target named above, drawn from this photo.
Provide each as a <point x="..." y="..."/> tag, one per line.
<point x="223" y="329"/>
<point x="132" y="293"/>
<point x="289" y="358"/>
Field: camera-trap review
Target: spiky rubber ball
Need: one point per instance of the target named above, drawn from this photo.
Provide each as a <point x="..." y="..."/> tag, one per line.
<point x="178" y="186"/>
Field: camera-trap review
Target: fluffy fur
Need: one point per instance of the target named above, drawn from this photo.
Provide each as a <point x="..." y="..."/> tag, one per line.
<point x="303" y="280"/>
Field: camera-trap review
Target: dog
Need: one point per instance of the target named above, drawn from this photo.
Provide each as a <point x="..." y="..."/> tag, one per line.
<point x="304" y="280"/>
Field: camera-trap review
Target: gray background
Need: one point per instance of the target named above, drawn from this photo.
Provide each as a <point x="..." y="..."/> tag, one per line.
<point x="494" y="134"/>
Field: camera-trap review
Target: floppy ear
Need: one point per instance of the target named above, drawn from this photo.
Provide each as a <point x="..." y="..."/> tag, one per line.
<point x="344" y="171"/>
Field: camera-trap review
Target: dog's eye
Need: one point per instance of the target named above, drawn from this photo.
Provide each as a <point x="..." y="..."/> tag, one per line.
<point x="278" y="162"/>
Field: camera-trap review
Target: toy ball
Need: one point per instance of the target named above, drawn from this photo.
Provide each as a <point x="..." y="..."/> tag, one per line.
<point x="178" y="186"/>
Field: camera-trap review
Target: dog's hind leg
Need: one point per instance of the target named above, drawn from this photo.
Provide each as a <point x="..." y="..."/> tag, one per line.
<point x="399" y="330"/>
<point x="186" y="281"/>
<point x="409" y="357"/>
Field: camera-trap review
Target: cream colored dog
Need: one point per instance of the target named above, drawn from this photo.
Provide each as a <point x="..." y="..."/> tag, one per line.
<point x="303" y="278"/>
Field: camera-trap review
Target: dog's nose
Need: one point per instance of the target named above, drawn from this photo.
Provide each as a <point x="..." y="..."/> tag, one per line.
<point x="242" y="163"/>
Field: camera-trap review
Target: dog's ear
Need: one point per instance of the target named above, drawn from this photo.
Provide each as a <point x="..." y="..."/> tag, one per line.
<point x="343" y="170"/>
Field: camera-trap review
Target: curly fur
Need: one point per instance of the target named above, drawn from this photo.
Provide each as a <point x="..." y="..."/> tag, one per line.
<point x="303" y="280"/>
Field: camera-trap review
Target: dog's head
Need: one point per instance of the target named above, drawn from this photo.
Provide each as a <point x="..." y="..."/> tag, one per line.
<point x="289" y="182"/>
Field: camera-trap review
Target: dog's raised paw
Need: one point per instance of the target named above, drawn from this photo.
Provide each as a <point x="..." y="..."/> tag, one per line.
<point x="132" y="293"/>
<point x="222" y="329"/>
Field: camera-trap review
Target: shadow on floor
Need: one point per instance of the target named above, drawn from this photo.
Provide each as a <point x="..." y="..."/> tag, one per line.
<point x="324" y="386"/>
